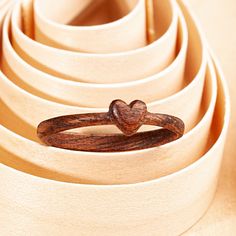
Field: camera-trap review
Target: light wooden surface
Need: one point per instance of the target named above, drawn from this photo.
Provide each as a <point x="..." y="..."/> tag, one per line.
<point x="218" y="20"/>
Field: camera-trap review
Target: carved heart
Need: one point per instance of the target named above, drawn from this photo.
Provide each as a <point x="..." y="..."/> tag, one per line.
<point x="128" y="118"/>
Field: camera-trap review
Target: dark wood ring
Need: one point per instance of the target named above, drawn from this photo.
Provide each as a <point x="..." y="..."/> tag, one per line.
<point x="128" y="118"/>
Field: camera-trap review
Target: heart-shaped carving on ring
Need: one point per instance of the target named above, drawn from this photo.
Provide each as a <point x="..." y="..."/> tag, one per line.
<point x="128" y="118"/>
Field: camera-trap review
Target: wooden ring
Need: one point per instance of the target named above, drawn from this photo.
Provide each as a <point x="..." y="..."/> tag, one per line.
<point x="128" y="118"/>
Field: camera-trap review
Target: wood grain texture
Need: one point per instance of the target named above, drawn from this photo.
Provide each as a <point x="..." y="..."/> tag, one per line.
<point x="218" y="20"/>
<point x="150" y="208"/>
<point x="128" y="118"/>
<point x="116" y="168"/>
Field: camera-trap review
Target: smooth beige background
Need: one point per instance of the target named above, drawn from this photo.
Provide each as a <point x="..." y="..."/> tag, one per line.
<point x="218" y="20"/>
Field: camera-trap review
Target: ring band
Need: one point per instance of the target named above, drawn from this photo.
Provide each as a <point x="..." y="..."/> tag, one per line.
<point x="128" y="118"/>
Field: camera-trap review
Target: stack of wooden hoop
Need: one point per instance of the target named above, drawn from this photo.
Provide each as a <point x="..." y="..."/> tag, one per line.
<point x="51" y="67"/>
